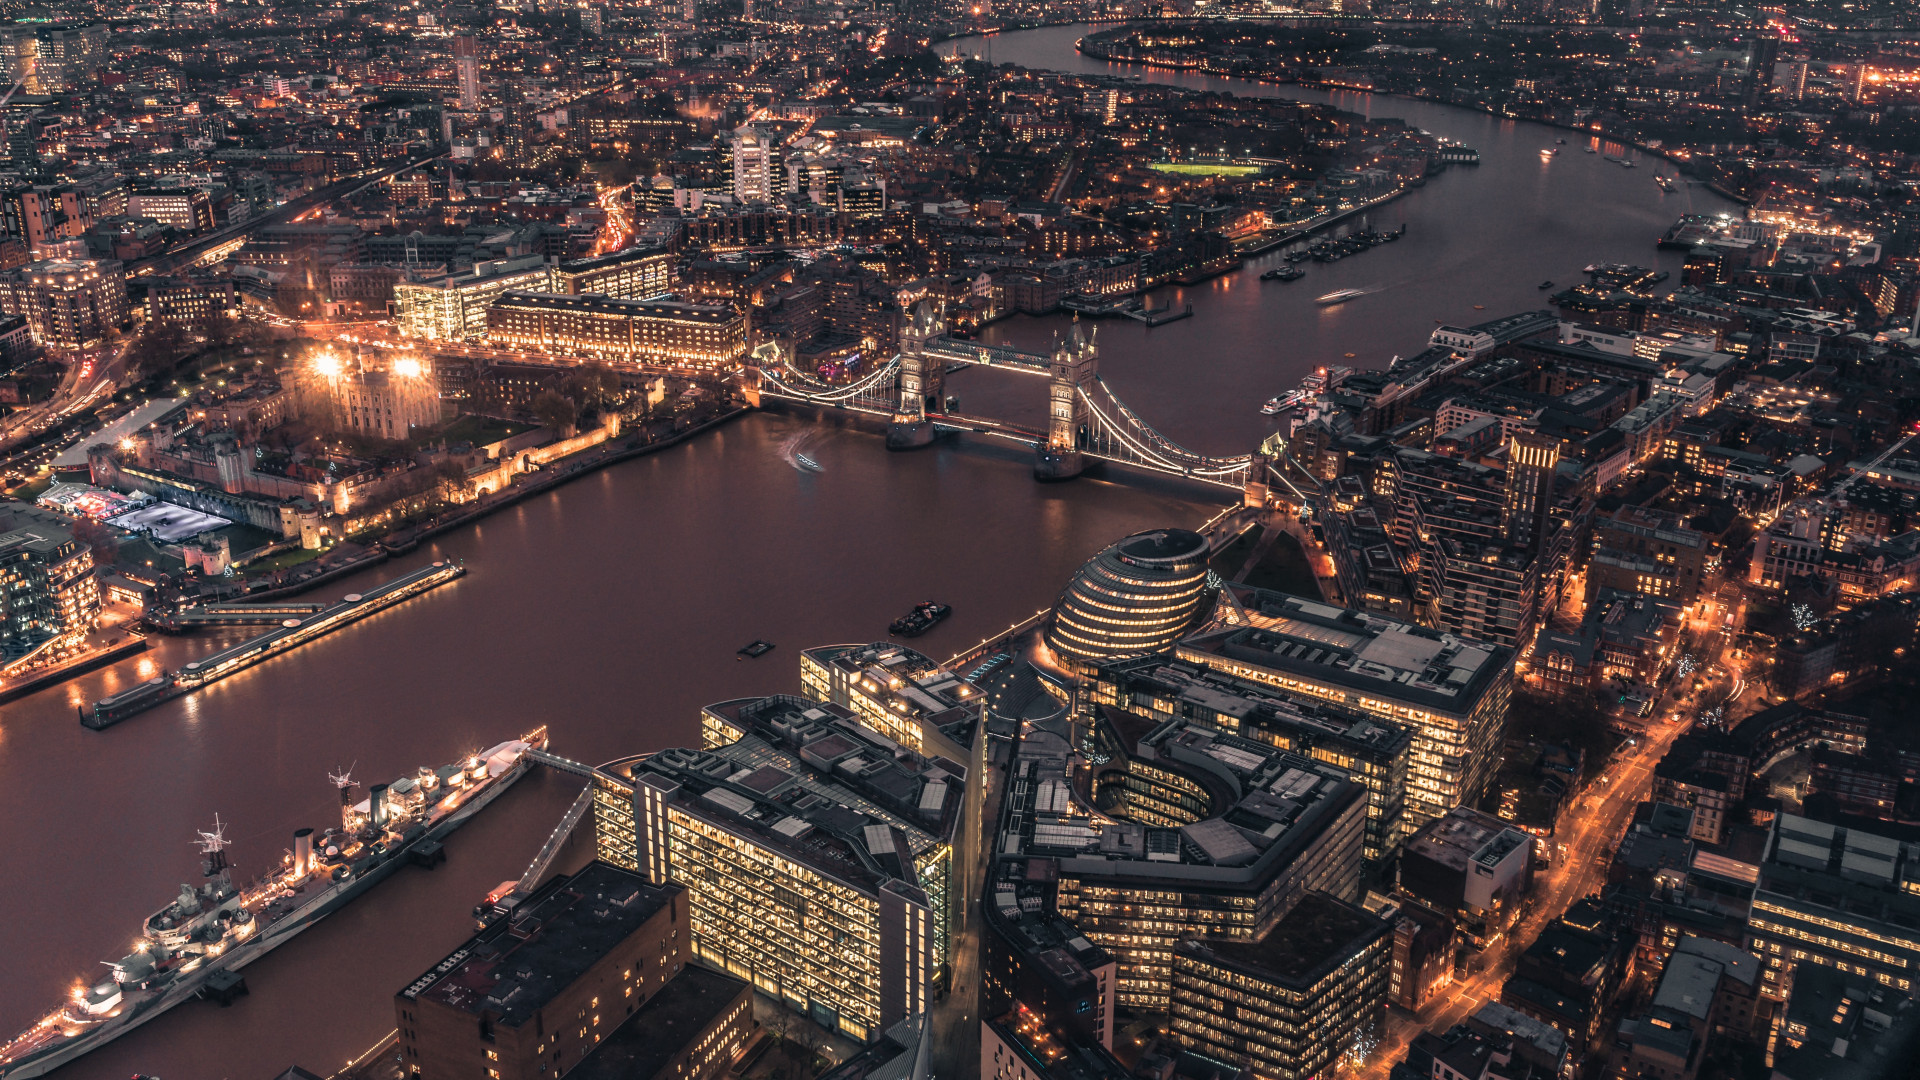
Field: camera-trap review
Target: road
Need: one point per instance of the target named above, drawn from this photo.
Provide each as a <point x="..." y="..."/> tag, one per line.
<point x="89" y="380"/>
<point x="1579" y="869"/>
<point x="189" y="252"/>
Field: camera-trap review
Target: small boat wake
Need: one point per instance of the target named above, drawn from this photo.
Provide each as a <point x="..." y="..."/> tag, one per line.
<point x="793" y="452"/>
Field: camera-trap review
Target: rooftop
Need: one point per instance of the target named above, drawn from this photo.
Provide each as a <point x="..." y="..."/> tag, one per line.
<point x="515" y="967"/>
<point x="639" y="1048"/>
<point x="1317" y="935"/>
<point x="1360" y="650"/>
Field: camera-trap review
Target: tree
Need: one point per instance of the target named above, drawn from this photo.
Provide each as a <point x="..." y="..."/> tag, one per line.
<point x="450" y="477"/>
<point x="555" y="410"/>
<point x="101" y="538"/>
<point x="158" y="350"/>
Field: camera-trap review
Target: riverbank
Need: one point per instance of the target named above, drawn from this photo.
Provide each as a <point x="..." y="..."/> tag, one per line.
<point x="1197" y="68"/>
<point x="555" y="475"/>
<point x="74" y="668"/>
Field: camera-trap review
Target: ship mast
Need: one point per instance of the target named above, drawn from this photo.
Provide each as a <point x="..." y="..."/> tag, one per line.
<point x="345" y="782"/>
<point x="213" y="844"/>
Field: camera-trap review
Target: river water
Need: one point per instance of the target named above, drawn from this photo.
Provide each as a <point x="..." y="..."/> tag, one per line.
<point x="1482" y="235"/>
<point x="611" y="608"/>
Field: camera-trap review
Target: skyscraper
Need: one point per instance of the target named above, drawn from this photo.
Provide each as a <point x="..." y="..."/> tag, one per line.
<point x="752" y="165"/>
<point x="466" y="60"/>
<point x="1531" y="461"/>
<point x="1760" y="60"/>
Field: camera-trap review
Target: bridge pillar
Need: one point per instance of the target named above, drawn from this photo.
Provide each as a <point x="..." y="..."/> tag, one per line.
<point x="923" y="380"/>
<point x="1071" y="370"/>
<point x="1259" y="491"/>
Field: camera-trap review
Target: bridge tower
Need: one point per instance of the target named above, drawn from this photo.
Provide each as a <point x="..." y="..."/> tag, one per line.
<point x="1071" y="370"/>
<point x="923" y="379"/>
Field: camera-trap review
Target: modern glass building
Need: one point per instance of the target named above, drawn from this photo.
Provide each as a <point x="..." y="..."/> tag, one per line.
<point x="1286" y="1007"/>
<point x="1450" y="690"/>
<point x="817" y="861"/>
<point x="1140" y="595"/>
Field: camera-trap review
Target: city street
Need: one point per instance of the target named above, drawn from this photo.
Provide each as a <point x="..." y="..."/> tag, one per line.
<point x="1582" y="852"/>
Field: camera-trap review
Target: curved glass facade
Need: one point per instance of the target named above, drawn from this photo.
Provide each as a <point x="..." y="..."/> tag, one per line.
<point x="1140" y="595"/>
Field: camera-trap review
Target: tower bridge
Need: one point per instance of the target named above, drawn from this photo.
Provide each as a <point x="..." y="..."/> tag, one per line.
<point x="1086" y="421"/>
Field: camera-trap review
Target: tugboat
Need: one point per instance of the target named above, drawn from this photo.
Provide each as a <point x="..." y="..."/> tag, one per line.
<point x="1283" y="273"/>
<point x="920" y="620"/>
<point x="1545" y="285"/>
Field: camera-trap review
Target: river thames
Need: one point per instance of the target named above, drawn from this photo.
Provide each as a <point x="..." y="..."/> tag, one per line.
<point x="610" y="609"/>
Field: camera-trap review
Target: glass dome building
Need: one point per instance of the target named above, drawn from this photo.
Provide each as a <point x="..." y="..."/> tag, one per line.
<point x="1140" y="595"/>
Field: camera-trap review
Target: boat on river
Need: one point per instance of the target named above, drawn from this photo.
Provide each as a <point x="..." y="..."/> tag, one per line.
<point x="1339" y="296"/>
<point x="195" y="945"/>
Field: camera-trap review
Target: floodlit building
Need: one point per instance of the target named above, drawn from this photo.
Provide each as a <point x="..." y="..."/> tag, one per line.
<point x="395" y="400"/>
<point x="817" y="855"/>
<point x="635" y="273"/>
<point x="647" y="331"/>
<point x="1452" y="691"/>
<point x="896" y="691"/>
<point x="1199" y="833"/>
<point x="454" y="307"/>
<point x="753" y="152"/>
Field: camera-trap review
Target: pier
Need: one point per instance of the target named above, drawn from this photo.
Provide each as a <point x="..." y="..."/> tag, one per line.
<point x="291" y="633"/>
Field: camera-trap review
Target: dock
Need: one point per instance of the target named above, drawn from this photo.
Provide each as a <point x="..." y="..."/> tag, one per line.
<point x="291" y="633"/>
<point x="1161" y="315"/>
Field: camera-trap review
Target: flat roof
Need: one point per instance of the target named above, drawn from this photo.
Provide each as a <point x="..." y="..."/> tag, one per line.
<point x="153" y="411"/>
<point x="1359" y="650"/>
<point x="1320" y="932"/>
<point x="569" y="924"/>
<point x="675" y="1016"/>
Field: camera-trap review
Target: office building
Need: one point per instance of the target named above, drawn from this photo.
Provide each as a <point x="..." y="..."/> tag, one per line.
<point x="1214" y="835"/>
<point x="1138" y="596"/>
<point x="466" y="64"/>
<point x="1374" y="753"/>
<point x="1640" y="550"/>
<point x="677" y="332"/>
<point x="1839" y="898"/>
<point x="1451" y="691"/>
<point x="1838" y="1026"/>
<point x="894" y="690"/>
<point x="1037" y="963"/>
<point x="635" y="273"/>
<point x="1708" y="993"/>
<point x="536" y="992"/>
<point x="454" y="307"/>
<point x="69" y="303"/>
<point x="57" y="58"/>
<point x="188" y="209"/>
<point x="1470" y="865"/>
<point x="816" y="855"/>
<point x="1285" y="1007"/>
<point x="753" y="152"/>
<point x="47" y="588"/>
